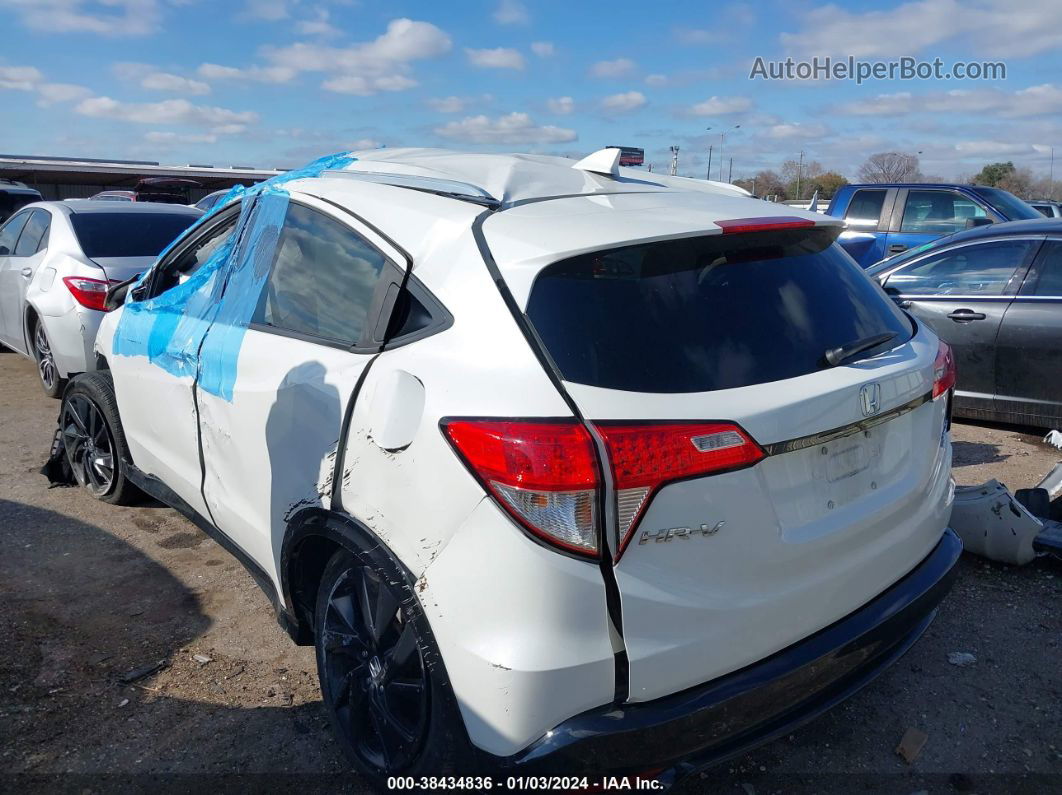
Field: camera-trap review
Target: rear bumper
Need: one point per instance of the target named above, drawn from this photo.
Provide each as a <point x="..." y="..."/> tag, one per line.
<point x="729" y="715"/>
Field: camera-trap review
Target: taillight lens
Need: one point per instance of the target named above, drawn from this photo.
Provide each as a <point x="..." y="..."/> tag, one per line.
<point x="90" y="293"/>
<point x="646" y="457"/>
<point x="943" y="370"/>
<point x="543" y="473"/>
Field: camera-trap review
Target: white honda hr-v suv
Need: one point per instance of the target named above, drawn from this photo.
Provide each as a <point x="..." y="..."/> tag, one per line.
<point x="563" y="467"/>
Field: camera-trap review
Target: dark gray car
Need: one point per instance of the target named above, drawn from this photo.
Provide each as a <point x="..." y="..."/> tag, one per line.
<point x="995" y="294"/>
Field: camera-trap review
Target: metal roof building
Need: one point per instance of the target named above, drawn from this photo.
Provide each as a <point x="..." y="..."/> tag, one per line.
<point x="79" y="178"/>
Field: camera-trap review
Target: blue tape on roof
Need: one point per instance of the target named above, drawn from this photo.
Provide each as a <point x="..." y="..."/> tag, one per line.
<point x="171" y="329"/>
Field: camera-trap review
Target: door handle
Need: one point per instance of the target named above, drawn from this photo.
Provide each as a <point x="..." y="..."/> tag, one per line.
<point x="966" y="315"/>
<point x="27" y="272"/>
<point x="896" y="248"/>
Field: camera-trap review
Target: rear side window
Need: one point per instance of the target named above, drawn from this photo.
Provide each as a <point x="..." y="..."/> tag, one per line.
<point x="129" y="234"/>
<point x="864" y="211"/>
<point x="9" y="233"/>
<point x="1048" y="279"/>
<point x="708" y="313"/>
<point x="323" y="279"/>
<point x="938" y="212"/>
<point x="975" y="269"/>
<point x="34" y="235"/>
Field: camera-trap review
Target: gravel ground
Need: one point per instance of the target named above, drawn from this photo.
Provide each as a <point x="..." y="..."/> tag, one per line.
<point x="90" y="592"/>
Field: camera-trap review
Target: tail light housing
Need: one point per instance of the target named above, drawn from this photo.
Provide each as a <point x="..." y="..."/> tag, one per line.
<point x="90" y="293"/>
<point x="943" y="370"/>
<point x="545" y="474"/>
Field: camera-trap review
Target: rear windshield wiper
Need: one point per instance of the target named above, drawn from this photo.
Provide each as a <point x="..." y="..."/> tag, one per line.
<point x="836" y="356"/>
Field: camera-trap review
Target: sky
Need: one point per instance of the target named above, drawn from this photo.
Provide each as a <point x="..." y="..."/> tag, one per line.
<point x="276" y="83"/>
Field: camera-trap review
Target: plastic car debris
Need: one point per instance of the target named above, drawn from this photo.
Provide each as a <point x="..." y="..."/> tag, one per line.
<point x="993" y="523"/>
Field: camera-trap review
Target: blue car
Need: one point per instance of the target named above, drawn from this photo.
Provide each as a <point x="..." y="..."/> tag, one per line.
<point x="887" y="218"/>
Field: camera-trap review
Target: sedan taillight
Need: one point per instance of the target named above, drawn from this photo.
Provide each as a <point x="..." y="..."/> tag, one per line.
<point x="943" y="370"/>
<point x="545" y="473"/>
<point x="90" y="293"/>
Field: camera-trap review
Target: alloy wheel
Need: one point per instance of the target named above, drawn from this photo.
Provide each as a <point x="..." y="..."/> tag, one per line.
<point x="89" y="445"/>
<point x="376" y="681"/>
<point x="45" y="359"/>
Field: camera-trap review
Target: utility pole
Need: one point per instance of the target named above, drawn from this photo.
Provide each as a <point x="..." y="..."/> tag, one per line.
<point x="800" y="167"/>
<point x="674" y="161"/>
<point x="730" y="173"/>
<point x="1051" y="179"/>
<point x="708" y="174"/>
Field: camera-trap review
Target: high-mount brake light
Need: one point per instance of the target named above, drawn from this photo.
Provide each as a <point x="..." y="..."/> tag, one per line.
<point x="646" y="457"/>
<point x="738" y="226"/>
<point x="90" y="293"/>
<point x="943" y="370"/>
<point x="545" y="474"/>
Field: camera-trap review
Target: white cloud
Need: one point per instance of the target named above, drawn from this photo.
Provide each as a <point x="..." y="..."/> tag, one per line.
<point x="170" y="111"/>
<point x="543" y="49"/>
<point x="267" y="10"/>
<point x="561" y="106"/>
<point x="174" y="138"/>
<point x="695" y="36"/>
<point x="52" y="93"/>
<point x="497" y="58"/>
<point x="154" y="80"/>
<point x="620" y="67"/>
<point x="383" y="64"/>
<point x="656" y="80"/>
<point x="514" y="128"/>
<point x="364" y="143"/>
<point x="624" y="103"/>
<point x="997" y="149"/>
<point x="318" y="26"/>
<point x="1041" y="100"/>
<point x="102" y="17"/>
<point x="257" y="74"/>
<point x="511" y="12"/>
<point x="1018" y="28"/>
<point x="447" y="104"/>
<point x="20" y="78"/>
<point x="721" y="106"/>
<point x="797" y="130"/>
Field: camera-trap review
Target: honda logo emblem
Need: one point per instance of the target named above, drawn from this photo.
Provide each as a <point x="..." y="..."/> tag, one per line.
<point x="870" y="399"/>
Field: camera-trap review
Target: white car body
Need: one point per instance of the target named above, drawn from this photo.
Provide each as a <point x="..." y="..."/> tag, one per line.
<point x="34" y="295"/>
<point x="532" y="638"/>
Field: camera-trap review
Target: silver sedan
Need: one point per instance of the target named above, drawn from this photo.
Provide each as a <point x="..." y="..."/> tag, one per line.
<point x="57" y="260"/>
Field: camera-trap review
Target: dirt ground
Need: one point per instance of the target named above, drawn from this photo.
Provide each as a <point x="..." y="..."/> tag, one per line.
<point x="90" y="592"/>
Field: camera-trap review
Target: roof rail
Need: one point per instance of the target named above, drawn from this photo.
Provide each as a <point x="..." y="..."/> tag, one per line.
<point x="455" y="189"/>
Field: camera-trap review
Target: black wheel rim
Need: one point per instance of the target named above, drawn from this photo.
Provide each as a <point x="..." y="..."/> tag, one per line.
<point x="373" y="674"/>
<point x="45" y="359"/>
<point x="89" y="445"/>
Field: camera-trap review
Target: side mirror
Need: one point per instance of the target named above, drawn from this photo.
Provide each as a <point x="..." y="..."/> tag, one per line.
<point x="972" y="223"/>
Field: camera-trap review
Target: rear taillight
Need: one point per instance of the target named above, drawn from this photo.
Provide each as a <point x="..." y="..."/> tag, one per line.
<point x="90" y="293"/>
<point x="943" y="370"/>
<point x="543" y="473"/>
<point x="646" y="457"/>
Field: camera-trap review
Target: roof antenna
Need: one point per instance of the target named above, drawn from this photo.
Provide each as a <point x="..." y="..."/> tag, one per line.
<point x="603" y="161"/>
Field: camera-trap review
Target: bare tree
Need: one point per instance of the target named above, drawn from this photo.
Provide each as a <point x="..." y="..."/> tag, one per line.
<point x="1020" y="182"/>
<point x="890" y="167"/>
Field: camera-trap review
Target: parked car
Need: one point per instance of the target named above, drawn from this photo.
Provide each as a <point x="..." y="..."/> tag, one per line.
<point x="13" y="196"/>
<point x="885" y="219"/>
<point x="562" y="467"/>
<point x="57" y="260"/>
<point x="1051" y="209"/>
<point x="164" y="190"/>
<point x="208" y="201"/>
<point x="995" y="295"/>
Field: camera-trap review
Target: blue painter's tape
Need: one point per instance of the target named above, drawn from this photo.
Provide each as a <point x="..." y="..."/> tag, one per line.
<point x="171" y="329"/>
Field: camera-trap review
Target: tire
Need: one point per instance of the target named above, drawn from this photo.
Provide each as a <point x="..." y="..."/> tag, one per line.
<point x="47" y="372"/>
<point x="368" y="684"/>
<point x="94" y="440"/>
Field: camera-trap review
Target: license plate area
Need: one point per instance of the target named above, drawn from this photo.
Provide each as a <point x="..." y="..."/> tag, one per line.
<point x="848" y="468"/>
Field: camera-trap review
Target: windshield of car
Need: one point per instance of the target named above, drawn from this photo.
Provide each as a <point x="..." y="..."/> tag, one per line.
<point x="707" y="313"/>
<point x="127" y="234"/>
<point x="1009" y="204"/>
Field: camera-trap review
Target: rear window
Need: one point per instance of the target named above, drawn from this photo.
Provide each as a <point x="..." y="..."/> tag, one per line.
<point x="708" y="313"/>
<point x="128" y="234"/>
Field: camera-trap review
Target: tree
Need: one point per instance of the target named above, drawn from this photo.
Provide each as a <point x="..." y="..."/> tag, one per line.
<point x="993" y="173"/>
<point x="765" y="183"/>
<point x="807" y="172"/>
<point x="826" y="184"/>
<point x="890" y="167"/>
<point x="1020" y="182"/>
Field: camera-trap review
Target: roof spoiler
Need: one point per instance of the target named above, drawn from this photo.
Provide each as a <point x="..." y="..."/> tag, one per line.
<point x="603" y="161"/>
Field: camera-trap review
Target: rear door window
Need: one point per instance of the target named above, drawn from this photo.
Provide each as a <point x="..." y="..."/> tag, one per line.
<point x="34" y="235"/>
<point x="938" y="212"/>
<point x="864" y="211"/>
<point x="322" y="281"/>
<point x="975" y="269"/>
<point x="708" y="313"/>
<point x="10" y="231"/>
<point x="1047" y="280"/>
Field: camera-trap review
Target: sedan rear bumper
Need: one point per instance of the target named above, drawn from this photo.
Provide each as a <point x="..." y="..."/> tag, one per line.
<point x="729" y="715"/>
